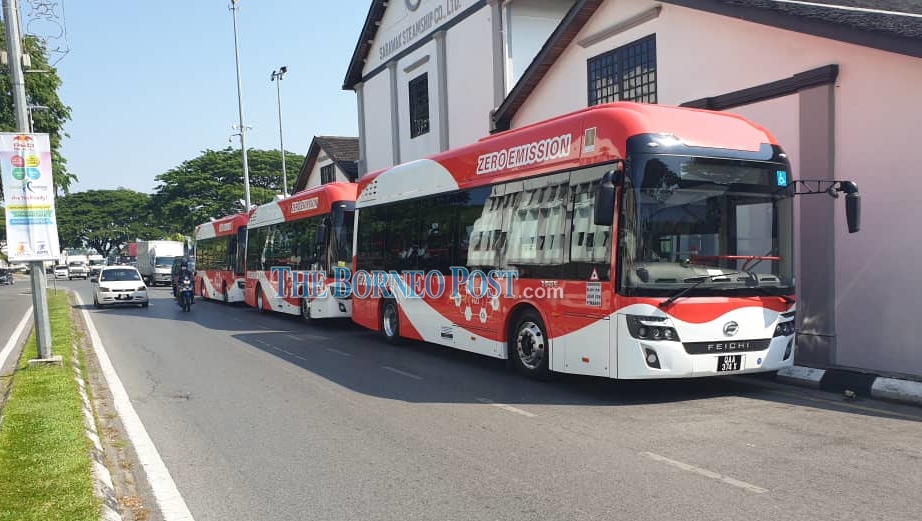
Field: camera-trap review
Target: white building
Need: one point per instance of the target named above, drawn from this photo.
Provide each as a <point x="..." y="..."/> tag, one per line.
<point x="329" y="159"/>
<point x="835" y="80"/>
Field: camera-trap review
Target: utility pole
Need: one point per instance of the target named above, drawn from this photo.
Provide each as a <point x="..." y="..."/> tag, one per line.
<point x="280" y="75"/>
<point x="18" y="85"/>
<point x="243" y="128"/>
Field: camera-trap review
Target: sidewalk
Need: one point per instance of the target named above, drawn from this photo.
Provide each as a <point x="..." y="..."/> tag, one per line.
<point x="860" y="383"/>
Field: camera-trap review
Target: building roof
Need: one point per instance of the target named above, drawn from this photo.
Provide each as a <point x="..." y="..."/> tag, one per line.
<point x="344" y="151"/>
<point x="363" y="46"/>
<point x="889" y="25"/>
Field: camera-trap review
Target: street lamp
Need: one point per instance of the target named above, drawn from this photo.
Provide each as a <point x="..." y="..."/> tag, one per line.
<point x="280" y="75"/>
<point x="243" y="128"/>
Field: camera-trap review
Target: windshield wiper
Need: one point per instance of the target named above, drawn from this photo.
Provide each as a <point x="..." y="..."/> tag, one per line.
<point x="666" y="303"/>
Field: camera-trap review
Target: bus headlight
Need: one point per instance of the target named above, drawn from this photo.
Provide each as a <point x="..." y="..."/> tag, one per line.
<point x="784" y="328"/>
<point x="650" y="328"/>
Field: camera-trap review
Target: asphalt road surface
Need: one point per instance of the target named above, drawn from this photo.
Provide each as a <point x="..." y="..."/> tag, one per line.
<point x="263" y="417"/>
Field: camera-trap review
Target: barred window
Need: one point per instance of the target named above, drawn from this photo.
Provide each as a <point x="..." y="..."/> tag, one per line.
<point x="419" y="105"/>
<point x="327" y="174"/>
<point x="627" y="73"/>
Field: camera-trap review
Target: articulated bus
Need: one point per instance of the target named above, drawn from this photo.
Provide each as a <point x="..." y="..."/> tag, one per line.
<point x="311" y="231"/>
<point x="631" y="241"/>
<point x="220" y="247"/>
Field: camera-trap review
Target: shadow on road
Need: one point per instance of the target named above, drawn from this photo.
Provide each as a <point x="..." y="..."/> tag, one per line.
<point x="416" y="372"/>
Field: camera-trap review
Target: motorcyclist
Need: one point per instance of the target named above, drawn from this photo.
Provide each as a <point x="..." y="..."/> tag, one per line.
<point x="184" y="271"/>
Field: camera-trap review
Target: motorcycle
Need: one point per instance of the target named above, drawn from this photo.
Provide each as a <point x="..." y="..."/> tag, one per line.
<point x="184" y="296"/>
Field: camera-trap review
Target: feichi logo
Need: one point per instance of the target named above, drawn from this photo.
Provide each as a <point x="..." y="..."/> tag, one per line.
<point x="731" y="328"/>
<point x="413" y="5"/>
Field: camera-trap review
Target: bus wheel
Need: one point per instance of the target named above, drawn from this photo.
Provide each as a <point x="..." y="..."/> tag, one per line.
<point x="529" y="346"/>
<point x="306" y="310"/>
<point x="260" y="305"/>
<point x="224" y="292"/>
<point x="390" y="322"/>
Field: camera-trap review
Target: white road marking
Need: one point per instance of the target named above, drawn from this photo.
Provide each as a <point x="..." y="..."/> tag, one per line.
<point x="171" y="503"/>
<point x="304" y="338"/>
<point x="337" y="351"/>
<point x="11" y="343"/>
<point x="404" y="373"/>
<point x="506" y="407"/>
<point x="706" y="473"/>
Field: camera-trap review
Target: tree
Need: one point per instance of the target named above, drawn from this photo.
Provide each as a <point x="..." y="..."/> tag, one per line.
<point x="211" y="185"/>
<point x="105" y="219"/>
<point x="41" y="91"/>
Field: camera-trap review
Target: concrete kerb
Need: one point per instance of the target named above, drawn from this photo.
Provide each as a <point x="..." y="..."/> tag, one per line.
<point x="857" y="382"/>
<point x="102" y="478"/>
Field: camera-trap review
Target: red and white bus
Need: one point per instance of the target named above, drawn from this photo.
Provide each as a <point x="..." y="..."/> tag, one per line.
<point x="309" y="231"/>
<point x="220" y="247"/>
<point x="648" y="242"/>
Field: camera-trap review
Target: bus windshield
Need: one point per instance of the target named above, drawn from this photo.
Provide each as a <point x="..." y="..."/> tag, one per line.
<point x="725" y="226"/>
<point x="341" y="235"/>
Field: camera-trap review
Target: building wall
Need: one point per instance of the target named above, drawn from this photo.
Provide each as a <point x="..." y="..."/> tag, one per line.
<point x="470" y="78"/>
<point x="401" y="28"/>
<point x="377" y="125"/>
<point x="701" y="55"/>
<point x="528" y="25"/>
<point x="461" y="81"/>
<point x="322" y="161"/>
<point x="422" y="61"/>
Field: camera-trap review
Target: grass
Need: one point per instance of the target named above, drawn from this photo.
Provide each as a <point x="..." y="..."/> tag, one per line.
<point x="45" y="470"/>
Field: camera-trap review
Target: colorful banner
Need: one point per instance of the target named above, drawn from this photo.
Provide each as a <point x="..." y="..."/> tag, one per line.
<point x="28" y="194"/>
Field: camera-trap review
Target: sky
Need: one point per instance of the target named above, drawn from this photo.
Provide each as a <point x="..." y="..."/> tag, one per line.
<point x="153" y="84"/>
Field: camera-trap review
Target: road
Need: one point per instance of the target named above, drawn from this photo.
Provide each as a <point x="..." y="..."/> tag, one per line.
<point x="260" y="416"/>
<point x="15" y="300"/>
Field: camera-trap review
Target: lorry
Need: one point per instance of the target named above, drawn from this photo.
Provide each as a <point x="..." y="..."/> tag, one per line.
<point x="96" y="264"/>
<point x="155" y="260"/>
<point x="78" y="266"/>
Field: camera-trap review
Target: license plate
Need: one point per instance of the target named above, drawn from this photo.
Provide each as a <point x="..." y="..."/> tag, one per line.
<point x="123" y="296"/>
<point x="729" y="363"/>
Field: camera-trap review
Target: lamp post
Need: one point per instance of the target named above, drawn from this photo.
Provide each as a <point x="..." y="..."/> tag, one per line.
<point x="243" y="128"/>
<point x="280" y="75"/>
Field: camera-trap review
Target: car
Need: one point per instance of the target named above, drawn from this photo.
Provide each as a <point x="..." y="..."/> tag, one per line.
<point x="6" y="276"/>
<point x="61" y="272"/>
<point x="117" y="285"/>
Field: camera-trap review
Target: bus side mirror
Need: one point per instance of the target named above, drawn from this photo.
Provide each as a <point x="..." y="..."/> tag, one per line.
<point x="853" y="212"/>
<point x="604" y="211"/>
<point x="852" y="205"/>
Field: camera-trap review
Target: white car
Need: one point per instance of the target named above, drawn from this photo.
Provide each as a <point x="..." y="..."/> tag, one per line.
<point x="119" y="285"/>
<point x="61" y="272"/>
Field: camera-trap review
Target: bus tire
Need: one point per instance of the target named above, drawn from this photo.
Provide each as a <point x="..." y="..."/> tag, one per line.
<point x="260" y="301"/>
<point x="224" y="293"/>
<point x="390" y="322"/>
<point x="529" y="347"/>
<point x="306" y="310"/>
